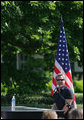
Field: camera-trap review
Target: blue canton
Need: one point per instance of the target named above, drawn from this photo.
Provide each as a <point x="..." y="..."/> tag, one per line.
<point x="62" y="56"/>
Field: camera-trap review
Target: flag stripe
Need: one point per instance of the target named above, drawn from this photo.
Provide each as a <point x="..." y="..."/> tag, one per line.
<point x="69" y="76"/>
<point x="54" y="81"/>
<point x="52" y="91"/>
<point x="56" y="70"/>
<point x="54" y="75"/>
<point x="53" y="87"/>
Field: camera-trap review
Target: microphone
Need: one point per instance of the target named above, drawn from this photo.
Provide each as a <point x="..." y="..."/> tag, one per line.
<point x="57" y="87"/>
<point x="56" y="90"/>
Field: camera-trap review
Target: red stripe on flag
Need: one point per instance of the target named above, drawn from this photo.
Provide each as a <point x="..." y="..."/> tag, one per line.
<point x="56" y="70"/>
<point x="51" y="92"/>
<point x="69" y="76"/>
<point x="67" y="84"/>
<point x="54" y="81"/>
<point x="74" y="98"/>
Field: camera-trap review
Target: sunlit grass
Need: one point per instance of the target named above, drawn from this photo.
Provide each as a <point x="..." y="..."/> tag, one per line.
<point x="80" y="106"/>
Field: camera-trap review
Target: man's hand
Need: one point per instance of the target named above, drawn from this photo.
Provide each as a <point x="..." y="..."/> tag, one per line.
<point x="54" y="107"/>
<point x="65" y="109"/>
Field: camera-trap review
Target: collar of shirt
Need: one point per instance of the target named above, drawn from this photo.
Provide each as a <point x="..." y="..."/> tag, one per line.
<point x="63" y="87"/>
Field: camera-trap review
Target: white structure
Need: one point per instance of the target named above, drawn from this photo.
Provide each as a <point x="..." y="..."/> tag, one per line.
<point x="21" y="60"/>
<point x="2" y="59"/>
<point x="77" y="68"/>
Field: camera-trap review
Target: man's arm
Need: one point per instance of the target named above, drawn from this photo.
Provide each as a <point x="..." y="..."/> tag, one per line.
<point x="68" y="103"/>
<point x="54" y="107"/>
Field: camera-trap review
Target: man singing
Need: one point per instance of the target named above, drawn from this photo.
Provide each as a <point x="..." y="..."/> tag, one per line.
<point x="63" y="96"/>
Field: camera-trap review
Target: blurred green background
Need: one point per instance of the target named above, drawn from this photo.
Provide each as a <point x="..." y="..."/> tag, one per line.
<point x="29" y="36"/>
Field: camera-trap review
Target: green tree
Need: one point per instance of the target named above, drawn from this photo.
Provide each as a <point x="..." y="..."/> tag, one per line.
<point x="32" y="27"/>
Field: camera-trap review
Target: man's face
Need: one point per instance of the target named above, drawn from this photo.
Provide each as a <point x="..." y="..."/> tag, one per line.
<point x="60" y="81"/>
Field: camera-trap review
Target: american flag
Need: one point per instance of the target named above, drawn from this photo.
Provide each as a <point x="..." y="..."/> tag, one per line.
<point x="62" y="64"/>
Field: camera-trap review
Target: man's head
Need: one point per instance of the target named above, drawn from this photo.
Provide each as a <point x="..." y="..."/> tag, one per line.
<point x="49" y="114"/>
<point x="76" y="113"/>
<point x="60" y="79"/>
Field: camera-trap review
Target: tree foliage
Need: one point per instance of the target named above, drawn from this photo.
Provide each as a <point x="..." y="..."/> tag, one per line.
<point x="33" y="27"/>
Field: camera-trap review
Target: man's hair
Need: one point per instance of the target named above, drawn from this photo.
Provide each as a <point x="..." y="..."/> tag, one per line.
<point x="49" y="114"/>
<point x="59" y="74"/>
<point x="76" y="113"/>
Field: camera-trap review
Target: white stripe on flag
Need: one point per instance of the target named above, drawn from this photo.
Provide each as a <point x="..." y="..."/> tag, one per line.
<point x="53" y="86"/>
<point x="54" y="75"/>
